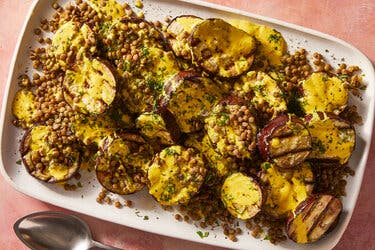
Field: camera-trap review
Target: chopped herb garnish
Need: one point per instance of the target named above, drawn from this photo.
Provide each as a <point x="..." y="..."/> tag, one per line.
<point x="145" y="217"/>
<point x="19" y="162"/>
<point x="274" y="37"/>
<point x="203" y="235"/>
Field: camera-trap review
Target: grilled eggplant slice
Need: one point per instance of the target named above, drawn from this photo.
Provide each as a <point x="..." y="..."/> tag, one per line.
<point x="71" y="36"/>
<point x="313" y="218"/>
<point x="121" y="165"/>
<point x="92" y="130"/>
<point x="90" y="87"/>
<point x="285" y="141"/>
<point x="24" y="107"/>
<point x="221" y="49"/>
<point x="44" y="160"/>
<point x="231" y="128"/>
<point x="142" y="91"/>
<point x="223" y="166"/>
<point x="284" y="190"/>
<point x="175" y="175"/>
<point x="108" y="9"/>
<point x="263" y="92"/>
<point x="242" y="196"/>
<point x="321" y="93"/>
<point x="272" y="44"/>
<point x="153" y="126"/>
<point x="333" y="139"/>
<point x="179" y="30"/>
<point x="190" y="97"/>
<point x="143" y="73"/>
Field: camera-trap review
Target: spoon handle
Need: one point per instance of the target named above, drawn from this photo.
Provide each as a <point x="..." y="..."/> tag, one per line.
<point x="103" y="246"/>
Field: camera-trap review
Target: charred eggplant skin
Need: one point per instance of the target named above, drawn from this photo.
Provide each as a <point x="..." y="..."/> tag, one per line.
<point x="289" y="129"/>
<point x="122" y="162"/>
<point x="314" y="218"/>
<point x="189" y="96"/>
<point x="37" y="144"/>
<point x="222" y="49"/>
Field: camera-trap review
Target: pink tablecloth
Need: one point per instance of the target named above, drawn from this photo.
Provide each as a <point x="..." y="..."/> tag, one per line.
<point x="351" y="20"/>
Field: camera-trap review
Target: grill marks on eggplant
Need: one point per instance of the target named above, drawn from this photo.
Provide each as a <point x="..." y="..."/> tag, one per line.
<point x="285" y="141"/>
<point x="314" y="218"/>
<point x="189" y="97"/>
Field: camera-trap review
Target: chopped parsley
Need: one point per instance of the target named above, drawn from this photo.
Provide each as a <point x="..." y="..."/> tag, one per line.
<point x="203" y="235"/>
<point x="275" y="37"/>
<point x="154" y="84"/>
<point x="19" y="162"/>
<point x="169" y="151"/>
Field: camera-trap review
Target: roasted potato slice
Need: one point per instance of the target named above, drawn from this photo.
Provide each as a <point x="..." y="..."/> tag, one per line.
<point x="90" y="87"/>
<point x="24" y="107"/>
<point x="263" y="92"/>
<point x="153" y="126"/>
<point x="323" y="93"/>
<point x="313" y="218"/>
<point x="179" y="30"/>
<point x="242" y="196"/>
<point x="189" y="97"/>
<point x="221" y="49"/>
<point x="333" y="139"/>
<point x="175" y="175"/>
<point x="44" y="160"/>
<point x="122" y="163"/>
<point x="284" y="190"/>
<point x="285" y="140"/>
<point x="231" y="128"/>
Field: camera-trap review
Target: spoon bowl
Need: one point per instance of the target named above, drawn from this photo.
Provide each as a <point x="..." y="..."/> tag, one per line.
<point x="55" y="230"/>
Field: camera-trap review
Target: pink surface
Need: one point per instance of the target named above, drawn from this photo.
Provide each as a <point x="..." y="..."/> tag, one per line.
<point x="350" y="20"/>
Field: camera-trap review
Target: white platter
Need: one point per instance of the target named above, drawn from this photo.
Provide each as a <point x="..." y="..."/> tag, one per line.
<point x="159" y="221"/>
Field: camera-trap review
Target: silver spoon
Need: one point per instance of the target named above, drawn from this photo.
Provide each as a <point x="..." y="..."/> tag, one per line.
<point x="56" y="230"/>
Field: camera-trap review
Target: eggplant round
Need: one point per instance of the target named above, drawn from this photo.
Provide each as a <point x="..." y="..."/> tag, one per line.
<point x="285" y="141"/>
<point x="242" y="196"/>
<point x="313" y="218"/>
<point x="121" y="165"/>
<point x="44" y="160"/>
